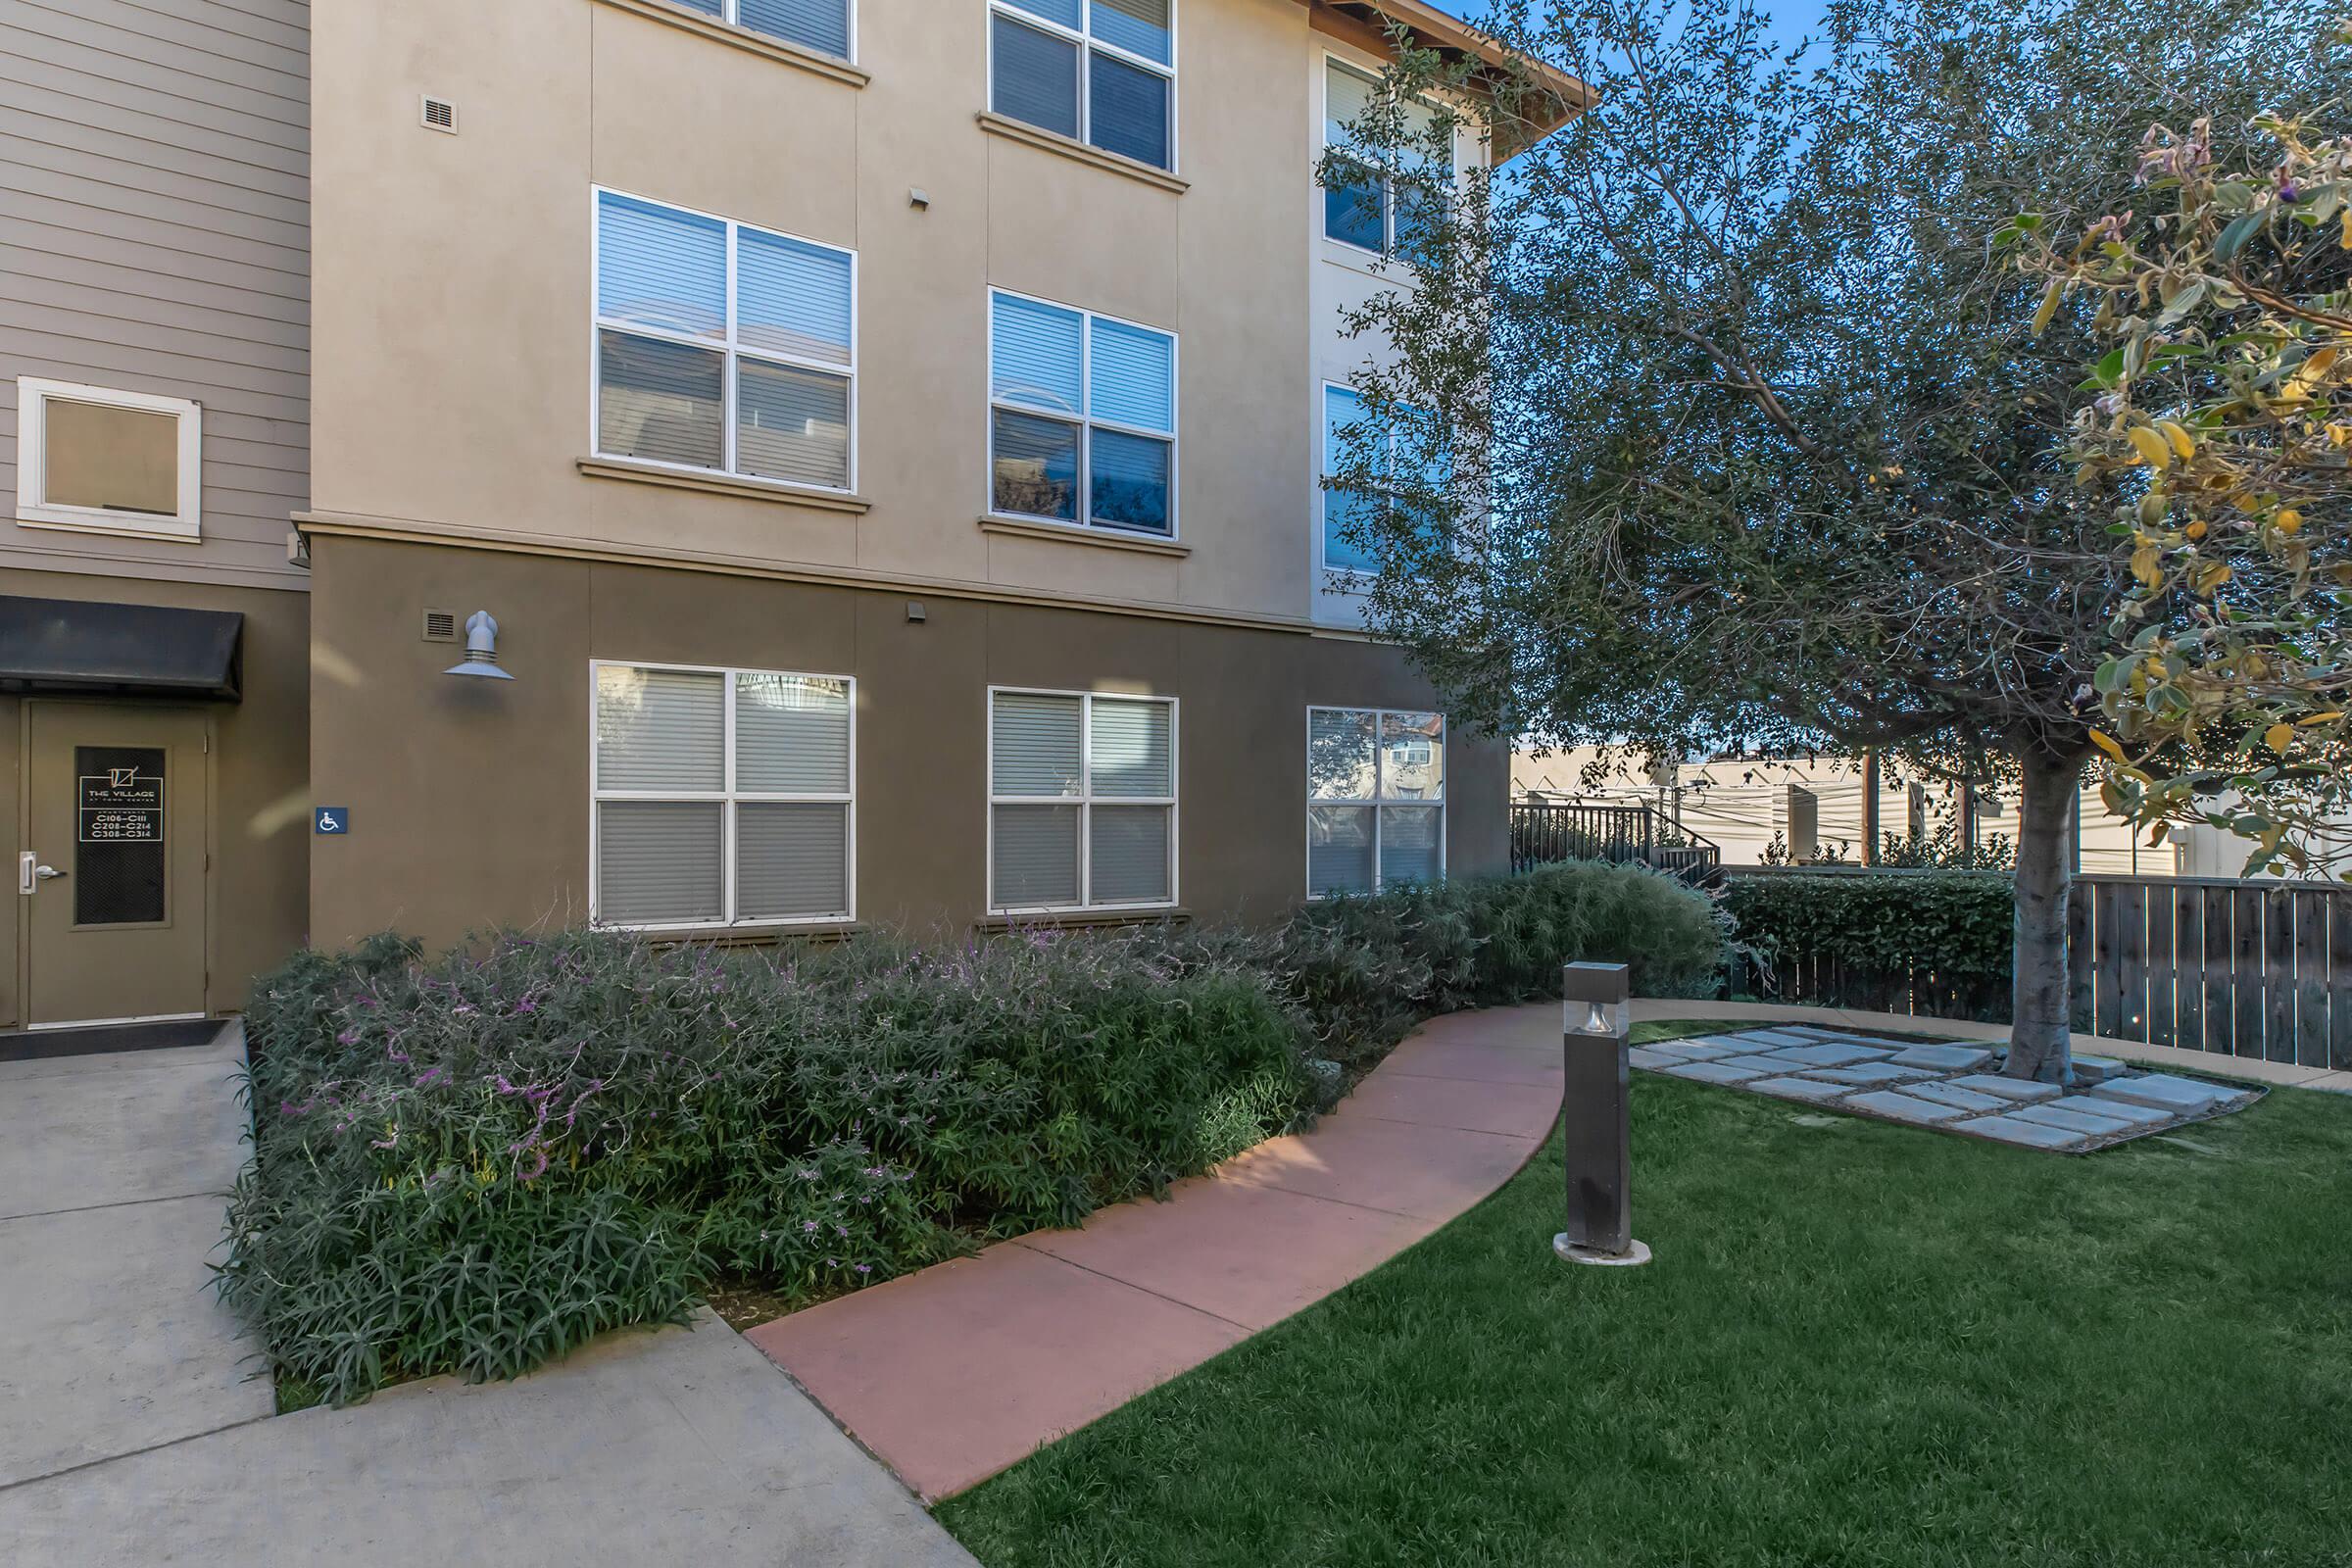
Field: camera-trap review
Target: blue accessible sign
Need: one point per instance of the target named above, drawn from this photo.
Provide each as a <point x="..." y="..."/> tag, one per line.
<point x="330" y="819"/>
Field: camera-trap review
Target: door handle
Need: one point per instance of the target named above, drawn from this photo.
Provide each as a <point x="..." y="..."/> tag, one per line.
<point x="48" y="873"/>
<point x="31" y="872"/>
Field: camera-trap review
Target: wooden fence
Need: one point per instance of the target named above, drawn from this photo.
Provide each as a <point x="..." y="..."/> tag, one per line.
<point x="2239" y="968"/>
<point x="1543" y="832"/>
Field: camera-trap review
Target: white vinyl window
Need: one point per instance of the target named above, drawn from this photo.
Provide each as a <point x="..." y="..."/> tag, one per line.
<point x="723" y="347"/>
<point x="109" y="462"/>
<point x="1348" y="513"/>
<point x="1082" y="417"/>
<point x="1101" y="71"/>
<point x="1081" y="801"/>
<point x="1365" y="203"/>
<point x="1376" y="799"/>
<point x="826" y="26"/>
<point x="722" y="797"/>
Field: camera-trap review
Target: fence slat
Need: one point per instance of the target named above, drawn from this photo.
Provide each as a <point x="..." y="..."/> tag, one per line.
<point x="2131" y="962"/>
<point x="2221" y="971"/>
<point x="2311" y="977"/>
<point x="2188" y="965"/>
<point x="2278" y="974"/>
<point x="2160" y="1031"/>
<point x="2107" y="992"/>
<point x="2079" y="966"/>
<point x="2339" y="984"/>
<point x="2246" y="958"/>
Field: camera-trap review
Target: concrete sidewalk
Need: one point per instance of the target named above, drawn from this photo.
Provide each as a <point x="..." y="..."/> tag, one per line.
<point x="957" y="1371"/>
<point x="112" y="1170"/>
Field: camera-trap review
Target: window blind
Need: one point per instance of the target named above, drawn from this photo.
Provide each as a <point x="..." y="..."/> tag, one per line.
<point x="1408" y="843"/>
<point x="791" y="735"/>
<point x="791" y="424"/>
<point x="1339" y="754"/>
<point x="1128" y="482"/>
<point x="1347" y="100"/>
<point x="1036" y="744"/>
<point x="1037" y="357"/>
<point x="659" y="729"/>
<point x="1070" y="14"/>
<point x="791" y="860"/>
<point x="1132" y="375"/>
<point x="1139" y="26"/>
<point x="660" y="267"/>
<point x="792" y="296"/>
<point x="659" y="861"/>
<point x="1128" y="110"/>
<point x="1339" y="850"/>
<point x="819" y="25"/>
<point x="1036" y="857"/>
<point x="1131" y="746"/>
<point x="1128" y="856"/>
<point x="1036" y="76"/>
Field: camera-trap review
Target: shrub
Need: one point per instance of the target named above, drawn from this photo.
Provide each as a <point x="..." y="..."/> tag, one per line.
<point x="1937" y="942"/>
<point x="472" y="1164"/>
<point x="476" y="1163"/>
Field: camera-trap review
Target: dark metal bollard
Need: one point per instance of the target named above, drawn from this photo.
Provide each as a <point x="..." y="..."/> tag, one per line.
<point x="1597" y="1017"/>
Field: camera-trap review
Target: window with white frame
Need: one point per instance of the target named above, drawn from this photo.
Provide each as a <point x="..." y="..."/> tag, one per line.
<point x="1082" y="417"/>
<point x="1352" y="517"/>
<point x="1101" y="71"/>
<point x="822" y="25"/>
<point x="1081" y="801"/>
<point x="90" y="456"/>
<point x="722" y="797"/>
<point x="723" y="347"/>
<point x="1376" y="799"/>
<point x="1376" y="202"/>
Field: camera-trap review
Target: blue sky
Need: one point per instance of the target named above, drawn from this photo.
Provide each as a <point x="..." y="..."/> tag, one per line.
<point x="1790" y="18"/>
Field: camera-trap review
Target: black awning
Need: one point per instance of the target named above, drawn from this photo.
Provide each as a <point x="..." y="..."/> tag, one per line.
<point x="71" y="645"/>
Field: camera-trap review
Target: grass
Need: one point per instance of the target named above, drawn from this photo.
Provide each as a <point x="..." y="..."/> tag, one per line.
<point x="1860" y="1344"/>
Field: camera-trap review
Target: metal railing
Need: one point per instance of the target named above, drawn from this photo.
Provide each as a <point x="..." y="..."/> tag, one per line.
<point x="1548" y="831"/>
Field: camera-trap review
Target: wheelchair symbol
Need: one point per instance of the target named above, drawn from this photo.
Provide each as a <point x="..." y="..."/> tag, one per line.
<point x="331" y="819"/>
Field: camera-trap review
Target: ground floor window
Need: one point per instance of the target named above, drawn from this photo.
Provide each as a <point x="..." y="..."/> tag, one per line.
<point x="1082" y="801"/>
<point x="1376" y="799"/>
<point x="722" y="797"/>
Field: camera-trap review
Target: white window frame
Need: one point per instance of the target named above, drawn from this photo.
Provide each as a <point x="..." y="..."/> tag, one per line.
<point x="730" y="13"/>
<point x="1388" y="189"/>
<point x="34" y="509"/>
<point x="1087" y="43"/>
<point x="728" y="798"/>
<point x="735" y="352"/>
<point x="1085" y="421"/>
<point x="1085" y="801"/>
<point x="1379" y="806"/>
<point x="1352" y="578"/>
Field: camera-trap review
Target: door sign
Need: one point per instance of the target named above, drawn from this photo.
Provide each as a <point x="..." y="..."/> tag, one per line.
<point x="121" y="804"/>
<point x="118" y="871"/>
<point x="330" y="819"/>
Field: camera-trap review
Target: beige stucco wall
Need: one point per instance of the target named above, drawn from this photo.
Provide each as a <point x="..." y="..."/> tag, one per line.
<point x="453" y="288"/>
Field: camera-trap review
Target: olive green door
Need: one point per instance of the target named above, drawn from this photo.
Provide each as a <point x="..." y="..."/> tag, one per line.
<point x="111" y="871"/>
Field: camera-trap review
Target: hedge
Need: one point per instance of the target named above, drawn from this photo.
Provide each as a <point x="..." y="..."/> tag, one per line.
<point x="471" y="1162"/>
<point x="1934" y="942"/>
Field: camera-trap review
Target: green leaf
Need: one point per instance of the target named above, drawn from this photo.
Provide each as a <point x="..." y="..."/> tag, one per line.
<point x="2241" y="230"/>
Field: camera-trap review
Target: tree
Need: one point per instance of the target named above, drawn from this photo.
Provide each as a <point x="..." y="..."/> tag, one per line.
<point x="1713" y="418"/>
<point x="2225" y="436"/>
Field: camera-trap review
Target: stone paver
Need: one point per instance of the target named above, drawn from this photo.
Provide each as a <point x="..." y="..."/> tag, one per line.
<point x="2090" y="1070"/>
<point x="2123" y="1111"/>
<point x="2009" y="1129"/>
<point x="2026" y="1091"/>
<point x="1642" y="1057"/>
<point x="1827" y="1054"/>
<point x="1696" y="1050"/>
<point x="1959" y="1098"/>
<point x="1774" y="1062"/>
<point x="1902" y="1106"/>
<point x="1715" y="1072"/>
<point x="957" y="1371"/>
<point x="1871" y="1074"/>
<point x="1808" y="1089"/>
<point x="2166" y="1092"/>
<point x="1944" y="1058"/>
<point x="2062" y="1113"/>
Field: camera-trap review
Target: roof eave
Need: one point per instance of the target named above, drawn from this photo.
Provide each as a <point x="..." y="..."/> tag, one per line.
<point x="1566" y="98"/>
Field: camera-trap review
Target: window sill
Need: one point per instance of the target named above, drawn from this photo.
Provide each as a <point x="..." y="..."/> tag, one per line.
<point x="724" y="485"/>
<point x="1079" y="919"/>
<point x="1076" y="150"/>
<point x="744" y="38"/>
<point x="745" y="936"/>
<point x="1070" y="533"/>
<point x="73" y="520"/>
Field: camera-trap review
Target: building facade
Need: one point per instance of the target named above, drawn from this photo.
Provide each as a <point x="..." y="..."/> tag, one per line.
<point x="760" y="466"/>
<point x="154" y="443"/>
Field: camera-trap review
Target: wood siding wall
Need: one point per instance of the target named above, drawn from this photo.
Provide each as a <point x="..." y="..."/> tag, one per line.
<point x="155" y="237"/>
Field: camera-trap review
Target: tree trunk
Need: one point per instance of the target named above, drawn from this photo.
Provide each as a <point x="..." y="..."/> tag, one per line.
<point x="2039" y="1041"/>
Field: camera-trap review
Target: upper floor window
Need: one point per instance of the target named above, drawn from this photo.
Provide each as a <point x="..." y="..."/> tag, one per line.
<point x="1376" y="799"/>
<point x="110" y="462"/>
<point x="1348" y="514"/>
<point x="722" y="346"/>
<point x="722" y="797"/>
<point x="1373" y="202"/>
<point x="1082" y="422"/>
<point x="1081" y="801"/>
<point x="1101" y="71"/>
<point x="819" y="25"/>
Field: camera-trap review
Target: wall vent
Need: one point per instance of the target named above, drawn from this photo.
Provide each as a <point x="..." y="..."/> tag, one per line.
<point x="440" y="626"/>
<point x="440" y="115"/>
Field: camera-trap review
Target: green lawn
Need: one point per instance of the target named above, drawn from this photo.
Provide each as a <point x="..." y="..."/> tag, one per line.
<point x="1859" y="1344"/>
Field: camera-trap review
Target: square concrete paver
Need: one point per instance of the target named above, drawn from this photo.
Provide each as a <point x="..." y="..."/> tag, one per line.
<point x="2061" y="1114"/>
<point x="1772" y="1063"/>
<point x="1959" y="1098"/>
<point x="1805" y="1089"/>
<point x="1871" y="1074"/>
<point x="1831" y="1056"/>
<point x="2025" y="1091"/>
<point x="2010" y="1129"/>
<point x="1521" y="1110"/>
<point x="2163" y="1091"/>
<point x="1697" y="1050"/>
<point x="1944" y="1058"/>
<point x="1040" y="1347"/>
<point x="1718" y="1072"/>
<point x="1427" y="1172"/>
<point x="1904" y="1107"/>
<point x="1207" y="1245"/>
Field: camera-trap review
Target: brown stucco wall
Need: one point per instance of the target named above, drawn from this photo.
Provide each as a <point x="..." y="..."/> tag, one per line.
<point x="470" y="799"/>
<point x="260" y="876"/>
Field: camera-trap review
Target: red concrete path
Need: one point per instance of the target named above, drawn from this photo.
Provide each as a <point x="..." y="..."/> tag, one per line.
<point x="955" y="1372"/>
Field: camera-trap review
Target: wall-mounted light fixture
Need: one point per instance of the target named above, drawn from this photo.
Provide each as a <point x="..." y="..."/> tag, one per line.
<point x="482" y="649"/>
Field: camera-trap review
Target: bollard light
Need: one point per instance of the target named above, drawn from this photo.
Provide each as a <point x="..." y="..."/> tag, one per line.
<point x="1595" y="1109"/>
